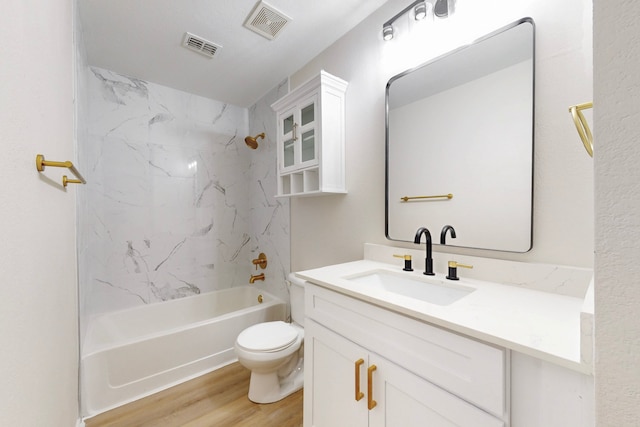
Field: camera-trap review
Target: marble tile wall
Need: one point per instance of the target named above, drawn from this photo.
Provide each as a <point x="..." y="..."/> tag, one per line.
<point x="269" y="229"/>
<point x="175" y="203"/>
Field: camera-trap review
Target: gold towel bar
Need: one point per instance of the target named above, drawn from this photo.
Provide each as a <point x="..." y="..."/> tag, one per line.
<point x="582" y="126"/>
<point x="41" y="163"/>
<point x="442" y="196"/>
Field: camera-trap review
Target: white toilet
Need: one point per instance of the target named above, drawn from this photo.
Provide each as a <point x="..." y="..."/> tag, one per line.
<point x="274" y="351"/>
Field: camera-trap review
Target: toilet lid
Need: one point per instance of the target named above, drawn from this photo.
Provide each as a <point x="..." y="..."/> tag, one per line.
<point x="269" y="336"/>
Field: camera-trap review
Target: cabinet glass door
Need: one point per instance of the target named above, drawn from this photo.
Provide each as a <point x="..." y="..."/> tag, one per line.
<point x="288" y="145"/>
<point x="308" y="134"/>
<point x="288" y="155"/>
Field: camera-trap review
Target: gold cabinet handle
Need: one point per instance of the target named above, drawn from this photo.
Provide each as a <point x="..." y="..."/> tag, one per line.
<point x="359" y="394"/>
<point x="370" y="402"/>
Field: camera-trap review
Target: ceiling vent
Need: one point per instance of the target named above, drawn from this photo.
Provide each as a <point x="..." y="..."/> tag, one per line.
<point x="266" y="20"/>
<point x="200" y="45"/>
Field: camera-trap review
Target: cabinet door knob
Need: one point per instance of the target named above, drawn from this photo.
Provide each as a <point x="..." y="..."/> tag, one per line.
<point x="370" y="402"/>
<point x="359" y="394"/>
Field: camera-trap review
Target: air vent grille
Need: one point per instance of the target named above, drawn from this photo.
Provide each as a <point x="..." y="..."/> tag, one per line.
<point x="200" y="45"/>
<point x="266" y="20"/>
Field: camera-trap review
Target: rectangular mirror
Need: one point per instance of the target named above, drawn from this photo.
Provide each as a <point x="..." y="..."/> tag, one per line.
<point x="462" y="125"/>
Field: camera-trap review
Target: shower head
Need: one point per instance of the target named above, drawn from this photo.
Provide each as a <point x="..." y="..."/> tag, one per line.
<point x="443" y="8"/>
<point x="252" y="141"/>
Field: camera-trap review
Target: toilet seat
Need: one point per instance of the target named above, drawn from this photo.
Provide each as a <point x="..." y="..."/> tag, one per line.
<point x="267" y="337"/>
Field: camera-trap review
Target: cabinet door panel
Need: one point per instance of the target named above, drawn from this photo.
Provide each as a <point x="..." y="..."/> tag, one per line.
<point x="308" y="132"/>
<point x="307" y="113"/>
<point x="287" y="145"/>
<point x="308" y="146"/>
<point x="330" y="388"/>
<point x="406" y="400"/>
<point x="288" y="153"/>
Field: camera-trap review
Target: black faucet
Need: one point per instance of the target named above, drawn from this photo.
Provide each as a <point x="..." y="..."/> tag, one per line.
<point x="443" y="234"/>
<point x="428" y="261"/>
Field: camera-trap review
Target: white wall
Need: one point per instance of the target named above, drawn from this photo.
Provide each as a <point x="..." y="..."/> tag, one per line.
<point x="38" y="301"/>
<point x="617" y="178"/>
<point x="332" y="229"/>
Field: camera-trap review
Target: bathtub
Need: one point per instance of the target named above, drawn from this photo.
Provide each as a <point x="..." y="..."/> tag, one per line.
<point x="136" y="352"/>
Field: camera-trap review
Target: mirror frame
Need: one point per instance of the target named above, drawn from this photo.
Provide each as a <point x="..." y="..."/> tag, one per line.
<point x="514" y="24"/>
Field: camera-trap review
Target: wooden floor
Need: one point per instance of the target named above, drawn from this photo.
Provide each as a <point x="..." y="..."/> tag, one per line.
<point x="217" y="399"/>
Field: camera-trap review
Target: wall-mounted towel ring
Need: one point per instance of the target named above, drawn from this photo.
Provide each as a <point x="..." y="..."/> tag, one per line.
<point x="582" y="126"/>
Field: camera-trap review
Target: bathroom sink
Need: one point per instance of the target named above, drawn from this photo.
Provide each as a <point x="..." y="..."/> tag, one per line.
<point x="426" y="289"/>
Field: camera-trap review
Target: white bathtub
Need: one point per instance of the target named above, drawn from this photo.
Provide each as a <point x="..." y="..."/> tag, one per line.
<point x="136" y="352"/>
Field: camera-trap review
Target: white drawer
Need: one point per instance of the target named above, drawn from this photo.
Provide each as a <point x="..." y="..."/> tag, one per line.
<point x="474" y="371"/>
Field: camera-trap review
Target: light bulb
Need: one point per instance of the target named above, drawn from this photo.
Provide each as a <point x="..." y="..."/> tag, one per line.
<point x="387" y="32"/>
<point x="420" y="11"/>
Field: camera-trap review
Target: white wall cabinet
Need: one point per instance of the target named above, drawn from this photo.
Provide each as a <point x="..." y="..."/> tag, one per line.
<point x="311" y="138"/>
<point x="418" y="375"/>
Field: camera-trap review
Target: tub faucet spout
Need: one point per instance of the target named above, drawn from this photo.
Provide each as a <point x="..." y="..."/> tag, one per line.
<point x="428" y="261"/>
<point x="256" y="277"/>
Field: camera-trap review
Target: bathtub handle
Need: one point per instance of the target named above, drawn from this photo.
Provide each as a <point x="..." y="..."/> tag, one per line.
<point x="260" y="261"/>
<point x="359" y="394"/>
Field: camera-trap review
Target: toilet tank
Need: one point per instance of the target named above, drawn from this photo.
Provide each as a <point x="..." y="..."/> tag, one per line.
<point x="296" y="293"/>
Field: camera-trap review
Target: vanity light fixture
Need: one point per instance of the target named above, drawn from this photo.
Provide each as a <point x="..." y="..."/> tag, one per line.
<point x="420" y="11"/>
<point x="442" y="9"/>
<point x="387" y="32"/>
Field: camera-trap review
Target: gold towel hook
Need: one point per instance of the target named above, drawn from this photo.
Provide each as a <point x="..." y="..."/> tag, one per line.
<point x="582" y="126"/>
<point x="41" y="163"/>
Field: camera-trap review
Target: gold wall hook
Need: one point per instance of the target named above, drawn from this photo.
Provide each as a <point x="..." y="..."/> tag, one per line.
<point x="582" y="126"/>
<point x="41" y="163"/>
<point x="66" y="181"/>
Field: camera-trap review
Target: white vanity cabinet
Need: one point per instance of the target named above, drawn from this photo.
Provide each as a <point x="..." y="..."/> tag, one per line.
<point x="311" y="138"/>
<point x="417" y="375"/>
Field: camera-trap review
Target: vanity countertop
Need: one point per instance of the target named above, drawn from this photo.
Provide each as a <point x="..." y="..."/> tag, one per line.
<point x="540" y="324"/>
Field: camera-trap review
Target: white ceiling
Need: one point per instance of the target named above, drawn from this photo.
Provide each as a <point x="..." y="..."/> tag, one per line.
<point x="143" y="39"/>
